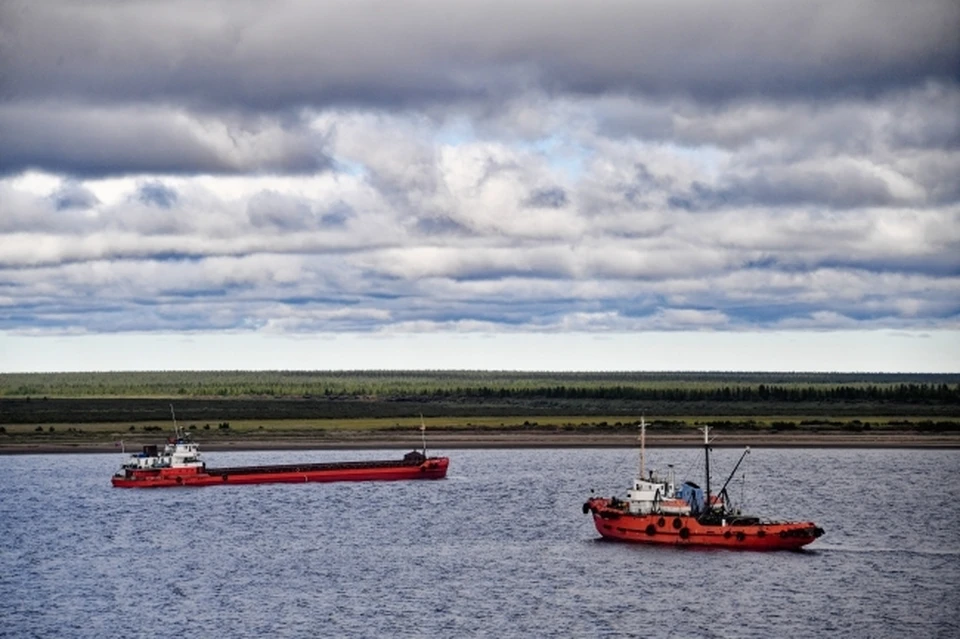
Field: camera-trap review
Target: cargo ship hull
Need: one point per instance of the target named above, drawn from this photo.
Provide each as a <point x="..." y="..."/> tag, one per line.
<point x="430" y="468"/>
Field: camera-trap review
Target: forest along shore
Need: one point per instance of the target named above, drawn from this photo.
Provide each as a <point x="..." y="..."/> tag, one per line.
<point x="263" y="410"/>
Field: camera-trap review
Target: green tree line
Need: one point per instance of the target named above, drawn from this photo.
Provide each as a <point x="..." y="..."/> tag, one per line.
<point x="688" y="387"/>
<point x="901" y="393"/>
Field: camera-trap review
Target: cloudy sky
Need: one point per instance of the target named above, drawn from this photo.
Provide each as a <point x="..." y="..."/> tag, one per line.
<point x="668" y="185"/>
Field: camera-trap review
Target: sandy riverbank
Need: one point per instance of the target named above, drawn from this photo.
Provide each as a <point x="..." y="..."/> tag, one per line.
<point x="441" y="442"/>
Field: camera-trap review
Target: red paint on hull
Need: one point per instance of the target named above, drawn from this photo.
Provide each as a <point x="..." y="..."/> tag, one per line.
<point x="615" y="522"/>
<point x="431" y="468"/>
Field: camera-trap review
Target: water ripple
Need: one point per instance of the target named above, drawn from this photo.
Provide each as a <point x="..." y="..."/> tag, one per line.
<point x="500" y="549"/>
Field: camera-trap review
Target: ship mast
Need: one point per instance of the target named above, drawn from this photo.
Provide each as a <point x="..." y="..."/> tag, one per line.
<point x="643" y="445"/>
<point x="423" y="435"/>
<point x="732" y="472"/>
<point x="176" y="429"/>
<point x="706" y="452"/>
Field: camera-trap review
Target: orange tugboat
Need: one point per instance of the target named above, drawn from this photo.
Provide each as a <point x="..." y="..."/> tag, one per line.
<point x="658" y="511"/>
<point x="180" y="464"/>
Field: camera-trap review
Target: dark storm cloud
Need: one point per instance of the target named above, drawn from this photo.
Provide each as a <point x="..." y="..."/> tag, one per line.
<point x="281" y="212"/>
<point x="337" y="215"/>
<point x="943" y="265"/>
<point x="928" y="121"/>
<point x="919" y="117"/>
<point x="548" y="198"/>
<point x="73" y="196"/>
<point x="842" y="189"/>
<point x="115" y="87"/>
<point x="838" y="190"/>
<point x="91" y="141"/>
<point x="440" y="226"/>
<point x="267" y="56"/>
<point x="157" y="194"/>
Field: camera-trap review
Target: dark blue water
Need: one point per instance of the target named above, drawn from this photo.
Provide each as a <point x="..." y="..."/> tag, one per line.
<point x="499" y="549"/>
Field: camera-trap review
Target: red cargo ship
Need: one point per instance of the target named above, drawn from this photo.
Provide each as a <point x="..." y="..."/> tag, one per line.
<point x="180" y="464"/>
<point x="657" y="511"/>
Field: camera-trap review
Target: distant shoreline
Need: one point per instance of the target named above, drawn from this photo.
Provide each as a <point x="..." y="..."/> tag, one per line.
<point x="508" y="440"/>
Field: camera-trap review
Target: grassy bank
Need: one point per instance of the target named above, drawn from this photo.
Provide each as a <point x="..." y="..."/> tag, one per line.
<point x="543" y="430"/>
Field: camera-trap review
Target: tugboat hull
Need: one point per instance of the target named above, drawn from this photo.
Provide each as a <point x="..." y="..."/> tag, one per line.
<point x="614" y="521"/>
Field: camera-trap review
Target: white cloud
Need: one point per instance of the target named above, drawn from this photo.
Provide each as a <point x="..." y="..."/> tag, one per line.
<point x="612" y="168"/>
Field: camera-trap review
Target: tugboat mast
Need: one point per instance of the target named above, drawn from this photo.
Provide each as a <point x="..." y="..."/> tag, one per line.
<point x="732" y="473"/>
<point x="423" y="435"/>
<point x="643" y="442"/>
<point x="176" y="429"/>
<point x="706" y="452"/>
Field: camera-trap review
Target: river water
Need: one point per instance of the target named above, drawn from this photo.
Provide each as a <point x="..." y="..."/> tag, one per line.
<point x="498" y="549"/>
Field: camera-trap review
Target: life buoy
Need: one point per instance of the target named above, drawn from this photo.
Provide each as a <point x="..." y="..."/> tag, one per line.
<point x="661" y="522"/>
<point x="677" y="524"/>
<point x="651" y="530"/>
<point x="727" y="535"/>
<point x="684" y="533"/>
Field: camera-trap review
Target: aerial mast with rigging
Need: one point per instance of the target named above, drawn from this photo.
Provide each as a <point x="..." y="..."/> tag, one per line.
<point x="643" y="443"/>
<point x="423" y="435"/>
<point x="706" y="452"/>
<point x="176" y="429"/>
<point x="732" y="473"/>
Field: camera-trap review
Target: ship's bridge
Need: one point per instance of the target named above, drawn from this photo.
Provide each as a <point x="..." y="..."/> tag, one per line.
<point x="644" y="494"/>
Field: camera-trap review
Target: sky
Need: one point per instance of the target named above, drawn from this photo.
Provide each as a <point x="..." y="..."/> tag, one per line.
<point x="467" y="184"/>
